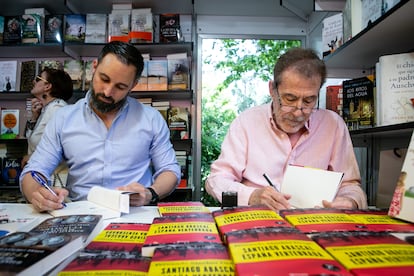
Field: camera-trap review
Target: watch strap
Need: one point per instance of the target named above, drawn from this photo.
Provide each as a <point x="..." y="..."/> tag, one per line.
<point x="154" y="196"/>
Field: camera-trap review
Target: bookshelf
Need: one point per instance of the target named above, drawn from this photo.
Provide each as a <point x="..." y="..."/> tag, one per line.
<point x="390" y="34"/>
<point x="78" y="51"/>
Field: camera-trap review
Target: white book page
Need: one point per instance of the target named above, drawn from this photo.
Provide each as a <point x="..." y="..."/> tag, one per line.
<point x="309" y="186"/>
<point x="85" y="207"/>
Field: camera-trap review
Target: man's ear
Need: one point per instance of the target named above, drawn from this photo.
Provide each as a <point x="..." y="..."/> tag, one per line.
<point x="271" y="88"/>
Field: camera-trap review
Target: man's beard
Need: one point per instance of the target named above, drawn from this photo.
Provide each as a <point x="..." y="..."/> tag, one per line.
<point x="105" y="107"/>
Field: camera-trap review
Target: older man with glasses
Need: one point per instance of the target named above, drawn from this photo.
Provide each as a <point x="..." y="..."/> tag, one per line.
<point x="290" y="130"/>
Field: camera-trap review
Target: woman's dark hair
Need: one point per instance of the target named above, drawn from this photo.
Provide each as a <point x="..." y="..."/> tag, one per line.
<point x="304" y="61"/>
<point x="62" y="86"/>
<point x="126" y="53"/>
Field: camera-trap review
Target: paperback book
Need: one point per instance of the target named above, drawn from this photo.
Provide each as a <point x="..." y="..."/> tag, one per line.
<point x="37" y="251"/>
<point x="32" y="28"/>
<point x="321" y="220"/>
<point x="157" y="75"/>
<point x="192" y="260"/>
<point x="334" y="98"/>
<point x="246" y="217"/>
<point x="96" y="28"/>
<point x="366" y="253"/>
<point x="178" y="71"/>
<point x="281" y="251"/>
<point x="182" y="208"/>
<point x="12" y="29"/>
<point x="9" y="123"/>
<point x="170" y="30"/>
<point x="27" y="75"/>
<point x="141" y="26"/>
<point x="397" y="90"/>
<point x="75" y="70"/>
<point x="181" y="229"/>
<point x="75" y="25"/>
<point x="178" y="119"/>
<point x="9" y="72"/>
<point x="358" y="102"/>
<point x="116" y="249"/>
<point x="402" y="202"/>
<point x="53" y="28"/>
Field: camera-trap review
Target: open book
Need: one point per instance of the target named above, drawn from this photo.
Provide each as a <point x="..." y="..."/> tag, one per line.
<point x="309" y="186"/>
<point x="102" y="201"/>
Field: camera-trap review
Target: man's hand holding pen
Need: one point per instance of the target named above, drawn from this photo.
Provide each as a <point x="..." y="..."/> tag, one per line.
<point x="43" y="197"/>
<point x="270" y="196"/>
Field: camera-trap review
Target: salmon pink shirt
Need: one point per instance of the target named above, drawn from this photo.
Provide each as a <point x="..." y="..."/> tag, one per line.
<point x="255" y="145"/>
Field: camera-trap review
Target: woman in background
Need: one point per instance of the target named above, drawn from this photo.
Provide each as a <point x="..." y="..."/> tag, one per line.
<point x="52" y="88"/>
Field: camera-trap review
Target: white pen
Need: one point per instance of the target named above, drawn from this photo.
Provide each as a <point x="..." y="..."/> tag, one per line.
<point x="270" y="182"/>
<point x="42" y="182"/>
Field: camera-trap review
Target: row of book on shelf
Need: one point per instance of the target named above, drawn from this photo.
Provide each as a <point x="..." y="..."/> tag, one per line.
<point x="171" y="72"/>
<point x="356" y="15"/>
<point x="124" y="23"/>
<point x="187" y="238"/>
<point x="385" y="97"/>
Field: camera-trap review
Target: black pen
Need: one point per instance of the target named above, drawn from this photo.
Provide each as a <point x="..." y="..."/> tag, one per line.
<point x="42" y="182"/>
<point x="270" y="182"/>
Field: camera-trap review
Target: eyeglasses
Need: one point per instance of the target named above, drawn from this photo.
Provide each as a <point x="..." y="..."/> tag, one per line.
<point x="39" y="78"/>
<point x="292" y="108"/>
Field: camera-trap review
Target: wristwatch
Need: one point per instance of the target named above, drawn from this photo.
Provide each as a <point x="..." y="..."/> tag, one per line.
<point x="154" y="196"/>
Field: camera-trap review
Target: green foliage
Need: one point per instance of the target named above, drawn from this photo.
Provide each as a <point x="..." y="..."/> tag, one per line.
<point x="261" y="62"/>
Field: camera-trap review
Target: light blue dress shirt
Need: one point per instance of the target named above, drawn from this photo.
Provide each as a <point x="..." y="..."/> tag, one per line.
<point x="136" y="148"/>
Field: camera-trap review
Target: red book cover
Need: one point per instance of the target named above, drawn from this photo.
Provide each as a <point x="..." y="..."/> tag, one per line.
<point x="321" y="220"/>
<point x="246" y="217"/>
<point x="116" y="249"/>
<point x="369" y="253"/>
<point x="182" y="208"/>
<point x="193" y="259"/>
<point x="279" y="251"/>
<point x="334" y="98"/>
<point x="379" y="221"/>
<point x="183" y="229"/>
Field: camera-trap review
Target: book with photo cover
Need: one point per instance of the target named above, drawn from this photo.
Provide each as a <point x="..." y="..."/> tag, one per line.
<point x="116" y="249"/>
<point x="178" y="71"/>
<point x="280" y="251"/>
<point x="32" y="28"/>
<point x="39" y="250"/>
<point x="169" y="29"/>
<point x="180" y="229"/>
<point x="178" y="119"/>
<point x="368" y="253"/>
<point x="246" y="217"/>
<point x="358" y="102"/>
<point x="75" y="26"/>
<point x="12" y="29"/>
<point x="53" y="28"/>
<point x="402" y="202"/>
<point x="192" y="259"/>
